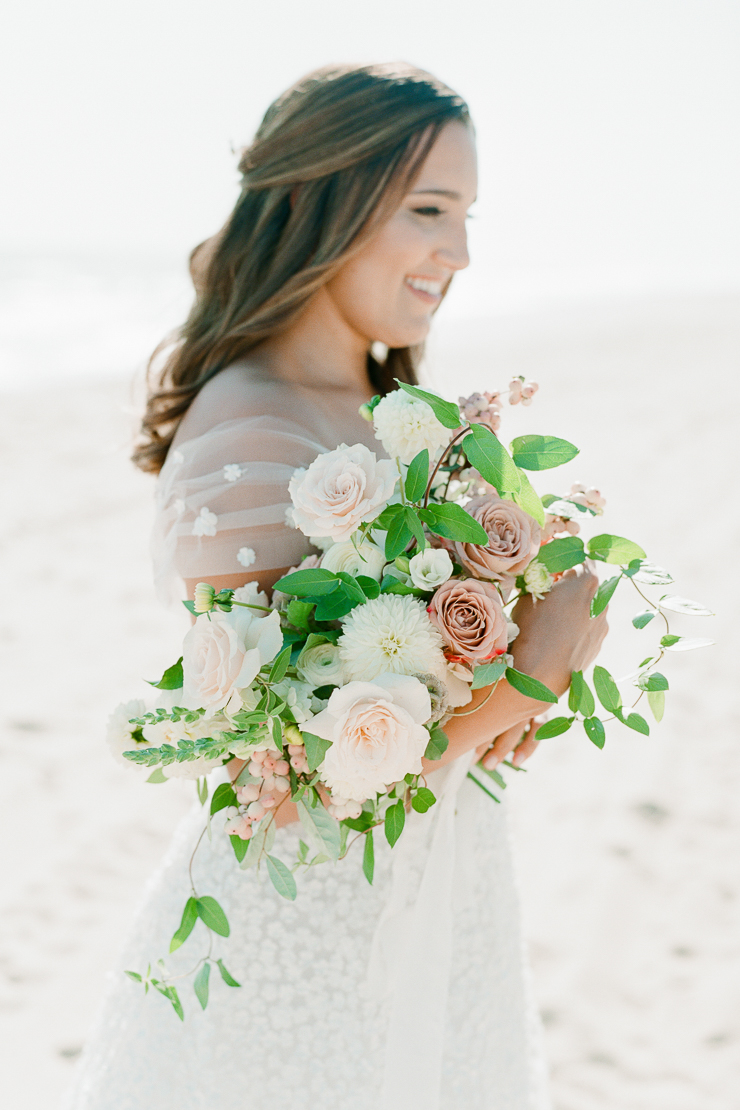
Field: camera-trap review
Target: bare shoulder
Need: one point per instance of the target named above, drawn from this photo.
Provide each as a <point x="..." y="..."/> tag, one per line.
<point x="239" y="391"/>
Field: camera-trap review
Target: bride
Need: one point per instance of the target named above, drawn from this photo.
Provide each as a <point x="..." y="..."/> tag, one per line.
<point x="410" y="993"/>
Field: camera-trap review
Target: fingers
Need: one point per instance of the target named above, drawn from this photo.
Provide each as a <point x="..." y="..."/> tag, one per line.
<point x="503" y="745"/>
<point x="527" y="744"/>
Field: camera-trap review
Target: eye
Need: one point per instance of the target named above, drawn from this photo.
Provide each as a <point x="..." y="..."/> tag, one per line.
<point x="428" y="210"/>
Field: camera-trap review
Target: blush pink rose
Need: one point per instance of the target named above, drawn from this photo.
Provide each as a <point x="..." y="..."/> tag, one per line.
<point x="513" y="539"/>
<point x="340" y="490"/>
<point x="471" y="619"/>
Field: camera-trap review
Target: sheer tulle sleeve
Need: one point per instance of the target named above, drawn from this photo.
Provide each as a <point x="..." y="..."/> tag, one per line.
<point x="221" y="500"/>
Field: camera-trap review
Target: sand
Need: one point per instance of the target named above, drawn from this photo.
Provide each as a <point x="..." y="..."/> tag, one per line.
<point x="629" y="858"/>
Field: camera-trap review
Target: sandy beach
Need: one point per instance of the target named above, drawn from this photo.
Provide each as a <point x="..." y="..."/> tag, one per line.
<point x="629" y="858"/>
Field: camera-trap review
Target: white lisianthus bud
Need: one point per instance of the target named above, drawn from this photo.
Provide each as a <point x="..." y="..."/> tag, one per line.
<point x="293" y="735"/>
<point x="537" y="580"/>
<point x="365" y="559"/>
<point x="430" y="568"/>
<point x="203" y="597"/>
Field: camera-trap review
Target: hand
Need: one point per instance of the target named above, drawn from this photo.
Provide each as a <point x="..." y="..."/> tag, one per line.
<point x="518" y="740"/>
<point x="557" y="635"/>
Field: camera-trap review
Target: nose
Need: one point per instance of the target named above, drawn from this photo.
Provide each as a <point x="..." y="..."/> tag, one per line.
<point x="453" y="251"/>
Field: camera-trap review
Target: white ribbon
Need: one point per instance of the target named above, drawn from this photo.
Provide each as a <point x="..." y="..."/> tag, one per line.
<point x="412" y="953"/>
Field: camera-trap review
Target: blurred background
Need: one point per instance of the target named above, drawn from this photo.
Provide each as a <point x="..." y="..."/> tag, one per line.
<point x="606" y="266"/>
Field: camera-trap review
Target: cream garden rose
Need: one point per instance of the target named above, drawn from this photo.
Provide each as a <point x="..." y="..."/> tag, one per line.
<point x="223" y="652"/>
<point x="340" y="490"/>
<point x="377" y="735"/>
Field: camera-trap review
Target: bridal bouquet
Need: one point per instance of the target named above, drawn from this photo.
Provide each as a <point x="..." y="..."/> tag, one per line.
<point x="332" y="693"/>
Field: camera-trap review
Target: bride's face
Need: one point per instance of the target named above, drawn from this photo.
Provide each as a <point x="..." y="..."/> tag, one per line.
<point x="391" y="289"/>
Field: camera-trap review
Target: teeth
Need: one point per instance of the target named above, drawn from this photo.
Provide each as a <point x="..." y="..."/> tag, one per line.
<point x="426" y="286"/>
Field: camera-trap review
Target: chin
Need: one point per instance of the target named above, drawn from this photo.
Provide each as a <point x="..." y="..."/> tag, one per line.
<point x="406" y="335"/>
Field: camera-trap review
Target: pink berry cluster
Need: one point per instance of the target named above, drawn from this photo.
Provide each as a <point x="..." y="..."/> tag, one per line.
<point x="588" y="497"/>
<point x="519" y="390"/>
<point x="344" y="807"/>
<point x="260" y="797"/>
<point x="482" y="408"/>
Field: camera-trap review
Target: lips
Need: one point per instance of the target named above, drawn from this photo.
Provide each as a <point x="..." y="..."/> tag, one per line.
<point x="428" y="290"/>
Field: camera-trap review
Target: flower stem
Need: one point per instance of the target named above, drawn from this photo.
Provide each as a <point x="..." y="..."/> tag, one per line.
<point x="458" y="436"/>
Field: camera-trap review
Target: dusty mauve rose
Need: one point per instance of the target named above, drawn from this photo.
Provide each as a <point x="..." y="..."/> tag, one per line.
<point x="470" y="617"/>
<point x="340" y="490"/>
<point x="513" y="539"/>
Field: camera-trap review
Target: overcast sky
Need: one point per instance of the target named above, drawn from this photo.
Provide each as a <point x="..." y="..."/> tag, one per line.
<point x="608" y="129"/>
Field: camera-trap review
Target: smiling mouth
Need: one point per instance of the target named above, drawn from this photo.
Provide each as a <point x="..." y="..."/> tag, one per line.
<point x="426" y="289"/>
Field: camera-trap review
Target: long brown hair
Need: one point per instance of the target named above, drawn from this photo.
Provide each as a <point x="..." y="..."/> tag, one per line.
<point x="330" y="163"/>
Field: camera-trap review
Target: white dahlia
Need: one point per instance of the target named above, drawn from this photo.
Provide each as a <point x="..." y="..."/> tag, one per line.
<point x="393" y="634"/>
<point x="406" y="426"/>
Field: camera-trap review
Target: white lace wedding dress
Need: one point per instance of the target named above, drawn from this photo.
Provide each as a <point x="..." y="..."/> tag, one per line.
<point x="411" y="993"/>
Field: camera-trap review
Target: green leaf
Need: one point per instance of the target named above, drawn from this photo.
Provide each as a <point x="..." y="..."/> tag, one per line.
<point x="277" y="733"/>
<point x="316" y="749"/>
<point x="212" y="915"/>
<point x="486" y="674"/>
<point x="298" y="613"/>
<point x="417" y="476"/>
<point x="580" y="698"/>
<point x="280" y="666"/>
<point x="189" y="918"/>
<point x="314" y="582"/>
<point x="595" y="731"/>
<point x="655" y="681"/>
<point x="490" y="458"/>
<point x="171" y="679"/>
<point x="641" y="619"/>
<point x="398" y="536"/>
<point x="281" y="877"/>
<point x="190" y="606"/>
<point x="447" y="413"/>
<point x="174" y="998"/>
<point x="604" y="595"/>
<point x="483" y="787"/>
<point x="527" y="498"/>
<point x="369" y="586"/>
<point x="666" y="641"/>
<point x="606" y="690"/>
<point x="423" y="800"/>
<point x="683" y="605"/>
<point x="368" y="857"/>
<point x="438" y="744"/>
<point x="614" y="549"/>
<point x="383" y="522"/>
<point x="134" y="975"/>
<point x="158" y="775"/>
<point x="656" y="701"/>
<point x="322" y="827"/>
<point x="542" y="452"/>
<point x="200" y="984"/>
<point x="636" y="722"/>
<point x="336" y="605"/>
<point x="651" y="574"/>
<point x="559" y="555"/>
<point x="452" y="522"/>
<point x="530" y="687"/>
<point x="554" y="727"/>
<point x="415" y="526"/>
<point x="224" y="795"/>
<point x="240" y="847"/>
<point x="227" y="977"/>
<point x="395" y="818"/>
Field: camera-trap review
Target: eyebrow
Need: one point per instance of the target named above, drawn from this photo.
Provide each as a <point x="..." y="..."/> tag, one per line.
<point x="449" y="193"/>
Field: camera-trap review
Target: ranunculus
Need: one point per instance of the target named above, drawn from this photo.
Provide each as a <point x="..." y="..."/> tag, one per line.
<point x="340" y="490"/>
<point x="377" y="734"/>
<point x="537" y="580"/>
<point x="405" y="426"/>
<point x="470" y="617"/>
<point x="365" y="559"/>
<point x="321" y="665"/>
<point x="430" y="568"/>
<point x="513" y="539"/>
<point x="223" y="653"/>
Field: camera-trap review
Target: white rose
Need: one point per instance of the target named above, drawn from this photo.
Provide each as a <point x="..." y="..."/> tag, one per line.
<point x="321" y="665"/>
<point x="340" y="490"/>
<point x="119" y="730"/>
<point x="223" y="653"/>
<point x="377" y="735"/>
<point x="430" y="568"/>
<point x="406" y="426"/>
<point x="365" y="559"/>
